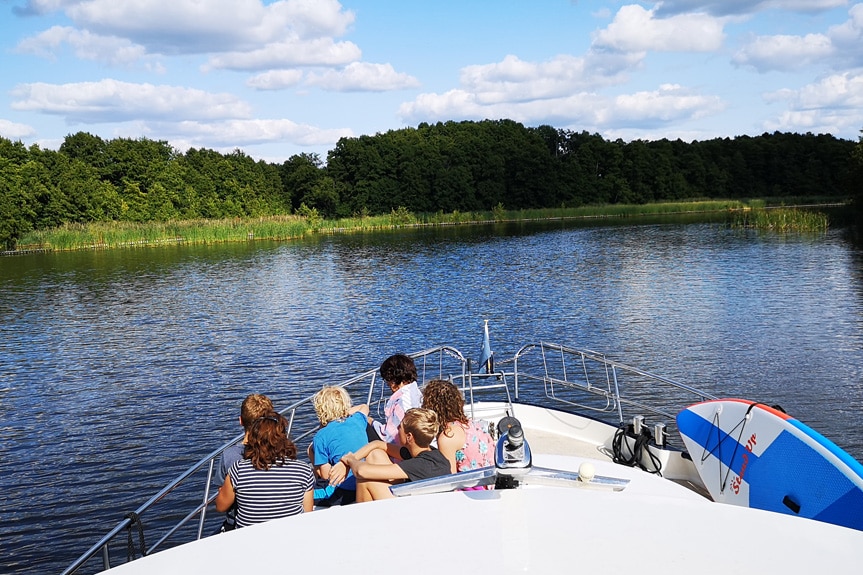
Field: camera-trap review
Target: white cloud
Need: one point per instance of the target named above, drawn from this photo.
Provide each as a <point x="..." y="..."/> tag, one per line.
<point x="195" y="26"/>
<point x="561" y="90"/>
<point x="318" y="52"/>
<point x="784" y="52"/>
<point x="669" y="103"/>
<point x="848" y="36"/>
<point x="462" y="105"/>
<point x="841" y="45"/>
<point x="363" y="77"/>
<point x="257" y="131"/>
<point x="37" y="7"/>
<point x="839" y="90"/>
<point x="582" y="108"/>
<point x="275" y="79"/>
<point x="454" y="104"/>
<point x="834" y="104"/>
<point x="522" y="90"/>
<point x="637" y="29"/>
<point x="171" y="27"/>
<point x="815" y="121"/>
<point x="745" y="7"/>
<point x="516" y="80"/>
<point x="113" y="101"/>
<point x="513" y="79"/>
<point x="14" y="130"/>
<point x="87" y="46"/>
<point x="851" y="30"/>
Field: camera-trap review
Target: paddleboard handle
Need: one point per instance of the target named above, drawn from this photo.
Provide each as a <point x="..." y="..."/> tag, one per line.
<point x="791" y="504"/>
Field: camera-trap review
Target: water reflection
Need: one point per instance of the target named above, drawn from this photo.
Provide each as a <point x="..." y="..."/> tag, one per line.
<point x="121" y="368"/>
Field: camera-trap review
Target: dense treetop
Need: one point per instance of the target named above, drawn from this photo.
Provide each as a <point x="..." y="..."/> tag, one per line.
<point x="451" y="166"/>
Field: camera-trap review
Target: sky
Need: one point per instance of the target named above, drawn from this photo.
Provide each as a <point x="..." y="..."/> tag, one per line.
<point x="280" y="78"/>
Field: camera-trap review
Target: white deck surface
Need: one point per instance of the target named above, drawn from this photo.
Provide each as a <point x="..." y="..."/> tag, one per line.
<point x="556" y="444"/>
<point x="652" y="526"/>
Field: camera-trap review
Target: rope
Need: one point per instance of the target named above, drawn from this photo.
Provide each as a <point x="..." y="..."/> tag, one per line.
<point x="741" y="426"/>
<point x="131" y="549"/>
<point x="642" y="441"/>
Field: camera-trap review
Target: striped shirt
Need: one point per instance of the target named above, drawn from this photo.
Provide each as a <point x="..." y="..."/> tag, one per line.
<point x="277" y="492"/>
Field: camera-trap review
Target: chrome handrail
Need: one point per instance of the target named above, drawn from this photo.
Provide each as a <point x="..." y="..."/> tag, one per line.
<point x="425" y="370"/>
<point x="573" y="388"/>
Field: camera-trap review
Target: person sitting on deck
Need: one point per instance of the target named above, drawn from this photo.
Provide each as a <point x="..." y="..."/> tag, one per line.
<point x="343" y="429"/>
<point x="375" y="472"/>
<point x="463" y="441"/>
<point x="254" y="406"/>
<point x="400" y="373"/>
<point x="269" y="482"/>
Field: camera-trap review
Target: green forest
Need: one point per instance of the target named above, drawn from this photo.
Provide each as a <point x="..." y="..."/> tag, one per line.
<point x="443" y="167"/>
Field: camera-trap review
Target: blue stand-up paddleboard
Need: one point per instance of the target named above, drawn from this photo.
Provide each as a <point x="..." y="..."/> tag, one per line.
<point x="753" y="455"/>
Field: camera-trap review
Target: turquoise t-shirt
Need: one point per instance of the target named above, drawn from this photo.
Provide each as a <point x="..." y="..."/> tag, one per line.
<point x="337" y="438"/>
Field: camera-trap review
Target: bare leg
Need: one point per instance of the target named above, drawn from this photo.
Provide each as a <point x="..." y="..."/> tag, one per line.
<point x="373" y="490"/>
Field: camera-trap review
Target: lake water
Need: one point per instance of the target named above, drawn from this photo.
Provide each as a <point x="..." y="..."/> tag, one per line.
<point x="119" y="369"/>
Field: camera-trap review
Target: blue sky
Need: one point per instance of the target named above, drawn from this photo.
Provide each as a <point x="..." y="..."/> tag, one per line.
<point x="278" y="78"/>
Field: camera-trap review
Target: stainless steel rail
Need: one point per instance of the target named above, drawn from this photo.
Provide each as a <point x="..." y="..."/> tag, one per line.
<point x="578" y="379"/>
<point x="442" y="361"/>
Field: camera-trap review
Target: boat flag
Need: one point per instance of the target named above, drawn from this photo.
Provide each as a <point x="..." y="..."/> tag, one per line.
<point x="486" y="356"/>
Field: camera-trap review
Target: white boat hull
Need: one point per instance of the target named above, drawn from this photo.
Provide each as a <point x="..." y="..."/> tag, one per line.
<point x="627" y="520"/>
<point x="651" y="526"/>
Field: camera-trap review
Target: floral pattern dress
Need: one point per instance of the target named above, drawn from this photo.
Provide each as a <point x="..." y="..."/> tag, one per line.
<point x="478" y="448"/>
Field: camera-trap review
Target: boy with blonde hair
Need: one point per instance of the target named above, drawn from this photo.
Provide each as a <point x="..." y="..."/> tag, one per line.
<point x="343" y="429"/>
<point x="377" y="473"/>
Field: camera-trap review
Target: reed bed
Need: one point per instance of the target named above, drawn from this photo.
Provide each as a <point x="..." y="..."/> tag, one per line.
<point x="105" y="235"/>
<point x="783" y="220"/>
<point x="625" y="210"/>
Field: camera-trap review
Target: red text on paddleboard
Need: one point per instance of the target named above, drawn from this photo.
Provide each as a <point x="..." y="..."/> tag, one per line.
<point x="735" y="483"/>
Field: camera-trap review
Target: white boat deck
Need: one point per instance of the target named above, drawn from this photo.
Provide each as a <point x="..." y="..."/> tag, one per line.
<point x="552" y="443"/>
<point x="570" y="435"/>
<point x="625" y="520"/>
<point x="535" y="529"/>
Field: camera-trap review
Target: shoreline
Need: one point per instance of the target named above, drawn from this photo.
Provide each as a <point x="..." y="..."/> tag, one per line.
<point x="118" y="235"/>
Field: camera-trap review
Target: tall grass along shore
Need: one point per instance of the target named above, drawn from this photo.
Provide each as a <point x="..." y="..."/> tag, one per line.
<point x="783" y="220"/>
<point x="107" y="235"/>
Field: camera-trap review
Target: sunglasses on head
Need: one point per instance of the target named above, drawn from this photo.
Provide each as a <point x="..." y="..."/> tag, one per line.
<point x="267" y="418"/>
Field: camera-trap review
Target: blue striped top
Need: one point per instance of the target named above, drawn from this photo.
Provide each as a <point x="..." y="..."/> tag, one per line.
<point x="277" y="492"/>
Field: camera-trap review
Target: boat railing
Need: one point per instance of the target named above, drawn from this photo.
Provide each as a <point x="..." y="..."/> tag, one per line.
<point x="444" y="362"/>
<point x="589" y="381"/>
<point x="583" y="381"/>
<point x="577" y="379"/>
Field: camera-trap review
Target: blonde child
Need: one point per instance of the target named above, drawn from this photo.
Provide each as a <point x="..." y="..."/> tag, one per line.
<point x="343" y="429"/>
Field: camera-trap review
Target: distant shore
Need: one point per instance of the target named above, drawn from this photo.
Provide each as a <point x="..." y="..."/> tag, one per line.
<point x="802" y="216"/>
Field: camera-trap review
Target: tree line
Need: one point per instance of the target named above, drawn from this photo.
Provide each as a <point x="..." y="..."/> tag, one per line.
<point x="442" y="167"/>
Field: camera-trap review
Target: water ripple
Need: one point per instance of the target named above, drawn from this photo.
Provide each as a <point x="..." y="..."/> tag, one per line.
<point x="120" y="369"/>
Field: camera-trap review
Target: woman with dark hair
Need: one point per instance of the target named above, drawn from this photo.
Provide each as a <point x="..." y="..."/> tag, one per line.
<point x="269" y="482"/>
<point x="463" y="441"/>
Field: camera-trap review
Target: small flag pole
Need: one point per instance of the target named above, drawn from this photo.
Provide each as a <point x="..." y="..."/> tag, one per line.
<point x="486" y="356"/>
